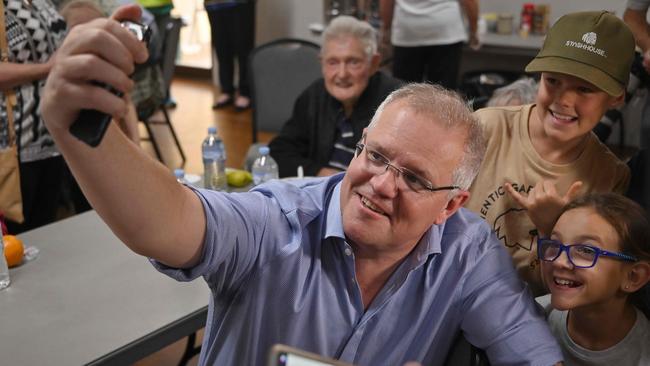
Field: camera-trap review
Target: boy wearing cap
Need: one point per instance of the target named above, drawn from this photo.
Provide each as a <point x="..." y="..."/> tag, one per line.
<point x="541" y="155"/>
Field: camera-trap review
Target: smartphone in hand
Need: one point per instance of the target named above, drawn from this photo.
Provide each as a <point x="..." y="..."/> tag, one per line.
<point x="91" y="125"/>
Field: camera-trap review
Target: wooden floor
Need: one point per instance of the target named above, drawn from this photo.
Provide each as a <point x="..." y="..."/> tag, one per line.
<point x="191" y="118"/>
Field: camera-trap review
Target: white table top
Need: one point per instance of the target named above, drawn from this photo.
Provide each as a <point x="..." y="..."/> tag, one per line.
<point x="87" y="296"/>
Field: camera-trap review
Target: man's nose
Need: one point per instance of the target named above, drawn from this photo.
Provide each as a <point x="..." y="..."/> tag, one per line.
<point x="385" y="183"/>
<point x="343" y="69"/>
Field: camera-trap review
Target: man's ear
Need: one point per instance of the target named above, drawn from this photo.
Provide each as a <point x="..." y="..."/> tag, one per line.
<point x="453" y="205"/>
<point x="638" y="276"/>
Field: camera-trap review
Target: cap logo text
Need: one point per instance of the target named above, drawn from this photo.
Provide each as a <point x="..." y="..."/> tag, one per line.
<point x="588" y="44"/>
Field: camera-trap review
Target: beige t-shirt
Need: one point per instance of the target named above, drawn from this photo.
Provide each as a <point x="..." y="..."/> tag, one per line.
<point x="510" y="157"/>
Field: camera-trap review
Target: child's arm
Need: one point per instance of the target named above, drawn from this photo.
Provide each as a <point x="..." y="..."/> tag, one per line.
<point x="543" y="204"/>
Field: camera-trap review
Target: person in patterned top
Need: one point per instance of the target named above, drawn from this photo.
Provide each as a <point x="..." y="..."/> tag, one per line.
<point x="34" y="30"/>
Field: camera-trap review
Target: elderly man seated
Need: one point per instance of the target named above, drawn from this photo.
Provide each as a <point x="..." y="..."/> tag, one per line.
<point x="329" y="116"/>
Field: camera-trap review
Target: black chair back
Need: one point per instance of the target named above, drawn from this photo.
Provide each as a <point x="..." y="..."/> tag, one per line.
<point x="279" y="71"/>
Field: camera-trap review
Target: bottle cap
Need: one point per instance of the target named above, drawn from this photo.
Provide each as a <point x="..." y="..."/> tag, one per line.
<point x="179" y="173"/>
<point x="212" y="130"/>
<point x="264" y="150"/>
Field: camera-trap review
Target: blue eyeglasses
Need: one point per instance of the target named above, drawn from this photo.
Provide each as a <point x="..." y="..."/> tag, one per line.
<point x="580" y="255"/>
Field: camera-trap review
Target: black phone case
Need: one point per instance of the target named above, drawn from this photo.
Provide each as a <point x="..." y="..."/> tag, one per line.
<point x="91" y="125"/>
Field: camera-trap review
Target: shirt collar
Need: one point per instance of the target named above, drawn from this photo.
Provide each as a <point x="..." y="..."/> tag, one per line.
<point x="429" y="243"/>
<point x="334" y="221"/>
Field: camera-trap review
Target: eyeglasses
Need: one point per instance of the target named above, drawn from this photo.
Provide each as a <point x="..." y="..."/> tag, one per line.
<point x="580" y="255"/>
<point x="378" y="164"/>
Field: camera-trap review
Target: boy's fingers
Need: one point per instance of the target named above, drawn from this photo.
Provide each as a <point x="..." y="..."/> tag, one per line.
<point x="549" y="188"/>
<point x="519" y="198"/>
<point x="573" y="191"/>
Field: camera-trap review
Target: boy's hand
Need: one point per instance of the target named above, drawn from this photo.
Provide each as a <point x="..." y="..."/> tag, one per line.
<point x="100" y="50"/>
<point x="543" y="204"/>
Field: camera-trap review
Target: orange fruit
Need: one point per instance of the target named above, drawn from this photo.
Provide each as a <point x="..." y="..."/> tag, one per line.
<point x="14" y="250"/>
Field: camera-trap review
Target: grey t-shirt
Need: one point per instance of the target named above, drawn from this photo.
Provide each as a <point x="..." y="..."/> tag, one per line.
<point x="633" y="350"/>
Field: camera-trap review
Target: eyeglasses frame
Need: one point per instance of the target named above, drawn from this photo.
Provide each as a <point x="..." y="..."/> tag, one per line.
<point x="565" y="248"/>
<point x="425" y="182"/>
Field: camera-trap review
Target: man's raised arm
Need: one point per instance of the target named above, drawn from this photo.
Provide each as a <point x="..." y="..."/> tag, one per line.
<point x="135" y="195"/>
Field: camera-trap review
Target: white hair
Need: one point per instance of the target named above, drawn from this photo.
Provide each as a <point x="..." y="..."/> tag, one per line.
<point x="520" y="92"/>
<point x="347" y="26"/>
<point x="448" y="109"/>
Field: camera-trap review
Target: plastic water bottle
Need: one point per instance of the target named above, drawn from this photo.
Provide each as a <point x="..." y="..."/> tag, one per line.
<point x="264" y="167"/>
<point x="214" y="161"/>
<point x="180" y="176"/>
<point x="4" y="268"/>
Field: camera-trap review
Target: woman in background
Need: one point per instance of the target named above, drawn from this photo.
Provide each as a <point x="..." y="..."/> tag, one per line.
<point x="34" y="30"/>
<point x="233" y="35"/>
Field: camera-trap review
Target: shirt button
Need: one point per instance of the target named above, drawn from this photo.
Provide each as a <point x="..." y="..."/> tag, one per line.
<point x="348" y="252"/>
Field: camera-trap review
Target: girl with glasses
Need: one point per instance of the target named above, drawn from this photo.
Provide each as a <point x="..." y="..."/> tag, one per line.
<point x="596" y="265"/>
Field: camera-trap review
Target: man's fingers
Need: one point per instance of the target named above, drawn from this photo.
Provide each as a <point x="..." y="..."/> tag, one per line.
<point x="88" y="96"/>
<point x="108" y="40"/>
<point x="131" y="12"/>
<point x="518" y="197"/>
<point x="127" y="12"/>
<point x="87" y="67"/>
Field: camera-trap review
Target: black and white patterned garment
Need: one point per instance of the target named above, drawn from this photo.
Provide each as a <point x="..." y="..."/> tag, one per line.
<point x="34" y="32"/>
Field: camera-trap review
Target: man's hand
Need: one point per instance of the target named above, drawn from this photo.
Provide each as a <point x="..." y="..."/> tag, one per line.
<point x="543" y="203"/>
<point x="474" y="42"/>
<point x="100" y="50"/>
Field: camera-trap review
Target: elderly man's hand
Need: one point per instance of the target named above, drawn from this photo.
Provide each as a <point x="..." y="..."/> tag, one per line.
<point x="543" y="203"/>
<point x="100" y="50"/>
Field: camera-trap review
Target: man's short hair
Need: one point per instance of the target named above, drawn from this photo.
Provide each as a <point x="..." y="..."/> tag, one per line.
<point x="450" y="111"/>
<point x="347" y="26"/>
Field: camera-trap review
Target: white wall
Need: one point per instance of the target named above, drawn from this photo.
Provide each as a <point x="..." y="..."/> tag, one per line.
<point x="281" y="19"/>
<point x="287" y="18"/>
<point x="558" y="7"/>
<point x="291" y="18"/>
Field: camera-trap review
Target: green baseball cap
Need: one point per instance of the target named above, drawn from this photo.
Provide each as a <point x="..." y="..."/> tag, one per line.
<point x="595" y="46"/>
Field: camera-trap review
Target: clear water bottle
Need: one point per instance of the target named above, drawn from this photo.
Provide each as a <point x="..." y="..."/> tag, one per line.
<point x="214" y="161"/>
<point x="264" y="167"/>
<point x="4" y="268"/>
<point x="180" y="176"/>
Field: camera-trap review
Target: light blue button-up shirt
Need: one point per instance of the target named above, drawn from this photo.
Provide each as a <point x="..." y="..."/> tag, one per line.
<point x="281" y="271"/>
